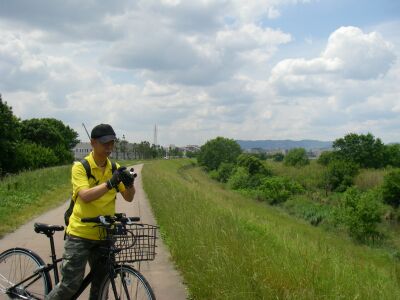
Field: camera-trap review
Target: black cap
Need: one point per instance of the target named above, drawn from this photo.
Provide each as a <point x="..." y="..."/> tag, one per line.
<point x="104" y="133"/>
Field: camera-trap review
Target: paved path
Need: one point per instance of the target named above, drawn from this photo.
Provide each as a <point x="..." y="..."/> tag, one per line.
<point x="160" y="273"/>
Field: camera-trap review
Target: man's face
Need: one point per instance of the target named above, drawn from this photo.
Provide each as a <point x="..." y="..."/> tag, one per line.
<point x="102" y="149"/>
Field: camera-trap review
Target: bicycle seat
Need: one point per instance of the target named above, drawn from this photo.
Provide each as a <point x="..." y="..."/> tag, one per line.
<point x="46" y="228"/>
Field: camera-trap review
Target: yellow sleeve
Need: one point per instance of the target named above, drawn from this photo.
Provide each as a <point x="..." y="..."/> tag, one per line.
<point x="79" y="178"/>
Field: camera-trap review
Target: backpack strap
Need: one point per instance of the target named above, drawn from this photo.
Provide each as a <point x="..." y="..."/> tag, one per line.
<point x="88" y="170"/>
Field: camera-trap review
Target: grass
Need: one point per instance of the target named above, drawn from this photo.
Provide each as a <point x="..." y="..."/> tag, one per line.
<point x="31" y="193"/>
<point x="231" y="247"/>
<point x="310" y="176"/>
<point x="369" y="178"/>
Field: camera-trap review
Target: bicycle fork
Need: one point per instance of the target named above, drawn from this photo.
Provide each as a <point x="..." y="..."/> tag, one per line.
<point x="124" y="281"/>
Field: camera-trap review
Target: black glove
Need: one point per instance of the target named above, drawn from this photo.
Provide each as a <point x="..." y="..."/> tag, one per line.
<point x="114" y="181"/>
<point x="127" y="177"/>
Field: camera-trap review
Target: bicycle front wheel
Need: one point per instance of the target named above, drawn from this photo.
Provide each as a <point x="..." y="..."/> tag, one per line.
<point x="19" y="276"/>
<point x="129" y="284"/>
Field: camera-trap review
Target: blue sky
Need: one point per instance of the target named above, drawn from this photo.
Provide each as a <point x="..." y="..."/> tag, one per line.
<point x="275" y="69"/>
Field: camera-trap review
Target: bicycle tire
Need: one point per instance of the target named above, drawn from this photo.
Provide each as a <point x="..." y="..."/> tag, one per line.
<point x="17" y="264"/>
<point x="133" y="285"/>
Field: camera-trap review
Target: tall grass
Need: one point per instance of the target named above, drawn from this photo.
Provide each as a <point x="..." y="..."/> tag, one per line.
<point x="30" y="193"/>
<point x="231" y="247"/>
<point x="309" y="176"/>
<point x="369" y="178"/>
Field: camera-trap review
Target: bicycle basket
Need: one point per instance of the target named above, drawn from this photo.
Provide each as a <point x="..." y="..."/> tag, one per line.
<point x="134" y="242"/>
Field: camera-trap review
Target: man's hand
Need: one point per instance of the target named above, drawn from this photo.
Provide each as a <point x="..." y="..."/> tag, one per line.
<point x="114" y="181"/>
<point x="127" y="177"/>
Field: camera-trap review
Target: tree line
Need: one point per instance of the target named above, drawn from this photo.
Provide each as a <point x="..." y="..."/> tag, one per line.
<point x="33" y="143"/>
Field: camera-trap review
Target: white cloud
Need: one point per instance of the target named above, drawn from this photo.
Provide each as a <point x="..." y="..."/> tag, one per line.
<point x="363" y="55"/>
<point x="349" y="55"/>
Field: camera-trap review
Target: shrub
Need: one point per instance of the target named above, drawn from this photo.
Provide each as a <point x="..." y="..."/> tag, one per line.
<point x="239" y="179"/>
<point x="224" y="171"/>
<point x="276" y="189"/>
<point x="33" y="156"/>
<point x="391" y="188"/>
<point x="339" y="175"/>
<point x="296" y="157"/>
<point x="360" y="213"/>
<point x="253" y="165"/>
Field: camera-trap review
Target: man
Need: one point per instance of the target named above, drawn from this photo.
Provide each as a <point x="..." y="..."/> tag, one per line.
<point x="93" y="197"/>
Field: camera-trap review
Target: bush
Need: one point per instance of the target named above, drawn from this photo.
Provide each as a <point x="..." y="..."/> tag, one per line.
<point x="391" y="188"/>
<point x="253" y="165"/>
<point x="223" y="173"/>
<point x="339" y="175"/>
<point x="360" y="213"/>
<point x="33" y="156"/>
<point x="276" y="189"/>
<point x="239" y="179"/>
<point x="296" y="157"/>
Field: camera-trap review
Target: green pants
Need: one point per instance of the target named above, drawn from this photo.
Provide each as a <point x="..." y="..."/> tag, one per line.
<point x="77" y="253"/>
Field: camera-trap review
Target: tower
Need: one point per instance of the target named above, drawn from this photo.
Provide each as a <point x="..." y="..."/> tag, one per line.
<point x="155" y="142"/>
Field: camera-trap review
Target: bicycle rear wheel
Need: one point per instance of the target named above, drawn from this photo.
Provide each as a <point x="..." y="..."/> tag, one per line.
<point x="17" y="267"/>
<point x="129" y="283"/>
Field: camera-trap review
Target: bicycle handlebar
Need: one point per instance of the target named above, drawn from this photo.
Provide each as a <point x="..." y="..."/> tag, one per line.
<point x="107" y="220"/>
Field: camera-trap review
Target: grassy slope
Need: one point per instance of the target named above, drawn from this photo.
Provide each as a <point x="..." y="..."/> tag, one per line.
<point x="31" y="193"/>
<point x="228" y="246"/>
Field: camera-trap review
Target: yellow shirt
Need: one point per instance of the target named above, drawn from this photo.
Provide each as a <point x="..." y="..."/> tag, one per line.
<point x="105" y="205"/>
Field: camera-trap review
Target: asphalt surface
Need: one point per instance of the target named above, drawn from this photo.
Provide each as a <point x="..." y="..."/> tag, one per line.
<point x="160" y="273"/>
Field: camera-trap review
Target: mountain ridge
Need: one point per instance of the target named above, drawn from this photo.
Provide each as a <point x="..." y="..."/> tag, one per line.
<point x="287" y="144"/>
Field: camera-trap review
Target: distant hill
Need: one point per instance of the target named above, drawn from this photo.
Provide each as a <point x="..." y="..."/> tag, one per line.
<point x="284" y="144"/>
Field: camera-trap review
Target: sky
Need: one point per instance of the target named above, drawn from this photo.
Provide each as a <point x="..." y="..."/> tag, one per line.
<point x="250" y="70"/>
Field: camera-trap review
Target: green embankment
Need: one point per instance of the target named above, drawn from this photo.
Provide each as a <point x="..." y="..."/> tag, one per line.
<point x="31" y="193"/>
<point x="231" y="247"/>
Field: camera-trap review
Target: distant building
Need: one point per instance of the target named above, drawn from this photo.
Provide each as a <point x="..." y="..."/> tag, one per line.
<point x="81" y="150"/>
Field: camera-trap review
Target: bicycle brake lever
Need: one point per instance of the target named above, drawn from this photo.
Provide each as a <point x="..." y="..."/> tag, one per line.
<point x="103" y="220"/>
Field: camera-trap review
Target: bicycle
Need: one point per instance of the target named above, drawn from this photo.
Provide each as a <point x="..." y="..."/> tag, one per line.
<point x="24" y="275"/>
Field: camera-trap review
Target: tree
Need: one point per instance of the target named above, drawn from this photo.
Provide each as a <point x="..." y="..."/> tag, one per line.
<point x="296" y="157"/>
<point x="218" y="150"/>
<point x="392" y="155"/>
<point x="51" y="134"/>
<point x="326" y="157"/>
<point x="363" y="149"/>
<point x="9" y="135"/>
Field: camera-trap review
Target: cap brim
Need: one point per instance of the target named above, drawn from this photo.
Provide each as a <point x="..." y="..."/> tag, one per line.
<point x="106" y="139"/>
